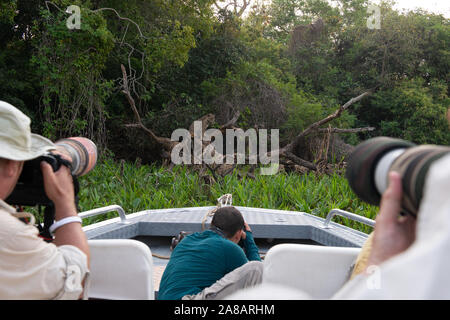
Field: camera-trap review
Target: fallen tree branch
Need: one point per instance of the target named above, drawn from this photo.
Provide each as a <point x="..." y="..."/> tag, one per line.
<point x="292" y="146"/>
<point x="289" y="155"/>
<point x="230" y="124"/>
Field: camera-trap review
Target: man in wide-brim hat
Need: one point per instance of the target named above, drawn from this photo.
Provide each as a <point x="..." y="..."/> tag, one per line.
<point x="31" y="268"/>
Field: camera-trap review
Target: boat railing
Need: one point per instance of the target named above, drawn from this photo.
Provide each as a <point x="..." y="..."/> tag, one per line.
<point x="346" y="214"/>
<point x="103" y="210"/>
<point x="326" y="224"/>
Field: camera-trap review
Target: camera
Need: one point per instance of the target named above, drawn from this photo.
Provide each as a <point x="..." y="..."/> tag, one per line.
<point x="371" y="161"/>
<point x="29" y="190"/>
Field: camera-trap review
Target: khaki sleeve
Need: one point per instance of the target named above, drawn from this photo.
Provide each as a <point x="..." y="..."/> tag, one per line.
<point x="30" y="268"/>
<point x="75" y="270"/>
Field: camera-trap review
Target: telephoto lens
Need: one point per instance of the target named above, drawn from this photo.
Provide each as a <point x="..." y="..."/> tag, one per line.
<point x="81" y="151"/>
<point x="371" y="161"/>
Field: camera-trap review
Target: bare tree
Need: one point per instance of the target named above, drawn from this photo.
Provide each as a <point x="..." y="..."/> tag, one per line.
<point x="238" y="7"/>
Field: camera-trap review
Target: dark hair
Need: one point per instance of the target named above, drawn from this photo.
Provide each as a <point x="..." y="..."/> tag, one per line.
<point x="229" y="220"/>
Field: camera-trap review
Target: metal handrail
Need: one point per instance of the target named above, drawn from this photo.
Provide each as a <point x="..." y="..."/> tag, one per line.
<point x="103" y="210"/>
<point x="346" y="214"/>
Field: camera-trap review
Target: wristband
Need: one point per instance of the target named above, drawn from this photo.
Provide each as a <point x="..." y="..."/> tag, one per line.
<point x="60" y="223"/>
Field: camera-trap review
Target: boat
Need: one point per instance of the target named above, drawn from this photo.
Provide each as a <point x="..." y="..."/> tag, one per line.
<point x="129" y="252"/>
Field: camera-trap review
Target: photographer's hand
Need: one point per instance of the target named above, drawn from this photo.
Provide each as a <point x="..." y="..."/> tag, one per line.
<point x="393" y="233"/>
<point x="59" y="188"/>
<point x="246" y="228"/>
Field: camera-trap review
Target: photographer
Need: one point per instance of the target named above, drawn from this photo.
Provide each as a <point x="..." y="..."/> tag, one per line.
<point x="409" y="258"/>
<point x="29" y="267"/>
<point x="210" y="264"/>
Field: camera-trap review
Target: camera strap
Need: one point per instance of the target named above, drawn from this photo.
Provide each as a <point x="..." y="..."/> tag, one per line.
<point x="18" y="214"/>
<point x="63" y="161"/>
<point x="218" y="231"/>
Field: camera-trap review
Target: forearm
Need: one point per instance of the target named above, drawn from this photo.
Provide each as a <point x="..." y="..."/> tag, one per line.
<point x="250" y="248"/>
<point x="71" y="233"/>
<point x="59" y="188"/>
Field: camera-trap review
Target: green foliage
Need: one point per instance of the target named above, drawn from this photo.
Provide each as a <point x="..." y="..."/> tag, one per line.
<point x="255" y="88"/>
<point x="414" y="111"/>
<point x="303" y="110"/>
<point x="75" y="72"/>
<point x="70" y="64"/>
<point x="353" y="58"/>
<point x="183" y="61"/>
<point x="7" y="10"/>
<point x="180" y="98"/>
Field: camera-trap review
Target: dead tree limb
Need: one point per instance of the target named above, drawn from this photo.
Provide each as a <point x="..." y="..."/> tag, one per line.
<point x="230" y="124"/>
<point x="292" y="146"/>
<point x="166" y="145"/>
<point x="238" y="7"/>
<point x="289" y="150"/>
<point x="299" y="161"/>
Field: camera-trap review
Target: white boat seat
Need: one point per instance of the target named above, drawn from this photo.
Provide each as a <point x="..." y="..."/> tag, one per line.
<point x="316" y="270"/>
<point x="121" y="269"/>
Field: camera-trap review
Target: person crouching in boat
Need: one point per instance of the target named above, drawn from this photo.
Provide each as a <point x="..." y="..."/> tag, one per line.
<point x="211" y="264"/>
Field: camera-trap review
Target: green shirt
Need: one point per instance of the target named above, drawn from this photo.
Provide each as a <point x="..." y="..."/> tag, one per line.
<point x="201" y="259"/>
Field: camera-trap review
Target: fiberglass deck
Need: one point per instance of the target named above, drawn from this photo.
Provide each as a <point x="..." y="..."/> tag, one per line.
<point x="265" y="223"/>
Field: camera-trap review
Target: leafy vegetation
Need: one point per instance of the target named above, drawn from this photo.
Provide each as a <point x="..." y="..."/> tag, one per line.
<point x="276" y="64"/>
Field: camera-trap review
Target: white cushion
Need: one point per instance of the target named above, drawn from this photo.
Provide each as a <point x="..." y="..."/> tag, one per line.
<point x="318" y="271"/>
<point x="121" y="269"/>
<point x="268" y="291"/>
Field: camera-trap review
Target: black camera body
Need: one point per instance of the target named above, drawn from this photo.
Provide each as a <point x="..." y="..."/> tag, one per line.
<point x="29" y="190"/>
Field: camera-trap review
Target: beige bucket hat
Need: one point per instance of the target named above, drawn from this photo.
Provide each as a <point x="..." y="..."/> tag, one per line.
<point x="16" y="140"/>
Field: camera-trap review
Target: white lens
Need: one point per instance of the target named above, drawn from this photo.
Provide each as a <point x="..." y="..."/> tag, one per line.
<point x="382" y="169"/>
<point x="72" y="153"/>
